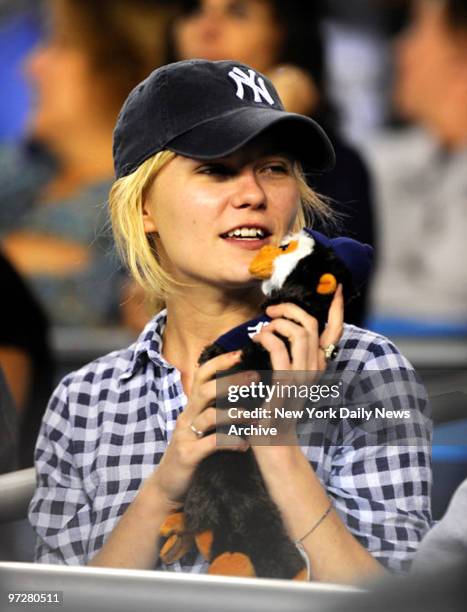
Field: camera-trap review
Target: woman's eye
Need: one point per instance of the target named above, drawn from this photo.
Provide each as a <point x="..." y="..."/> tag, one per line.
<point x="238" y="9"/>
<point x="215" y="170"/>
<point x="191" y="8"/>
<point x="277" y="168"/>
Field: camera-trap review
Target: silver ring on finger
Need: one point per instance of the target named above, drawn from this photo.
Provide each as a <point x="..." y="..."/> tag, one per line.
<point x="330" y="351"/>
<point x="197" y="432"/>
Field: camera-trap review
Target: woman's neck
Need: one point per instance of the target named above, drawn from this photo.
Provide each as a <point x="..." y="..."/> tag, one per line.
<point x="82" y="161"/>
<point x="193" y="323"/>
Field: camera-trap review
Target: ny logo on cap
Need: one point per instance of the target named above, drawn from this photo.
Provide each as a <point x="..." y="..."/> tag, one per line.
<point x="258" y="88"/>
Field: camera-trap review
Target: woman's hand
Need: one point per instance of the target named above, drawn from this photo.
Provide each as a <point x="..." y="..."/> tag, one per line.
<point x="134" y="542"/>
<point x="307" y="355"/>
<point x="301" y="330"/>
<point x="188" y="447"/>
<point x="335" y="554"/>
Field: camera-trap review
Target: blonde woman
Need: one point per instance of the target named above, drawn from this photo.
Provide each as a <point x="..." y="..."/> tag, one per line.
<point x="201" y="149"/>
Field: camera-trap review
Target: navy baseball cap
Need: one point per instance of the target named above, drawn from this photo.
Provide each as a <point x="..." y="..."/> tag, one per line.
<point x="205" y="110"/>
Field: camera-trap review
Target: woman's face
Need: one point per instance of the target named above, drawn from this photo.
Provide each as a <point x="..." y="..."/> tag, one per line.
<point x="195" y="206"/>
<point x="242" y="30"/>
<point x="63" y="81"/>
<point x="424" y="62"/>
<point x="59" y="76"/>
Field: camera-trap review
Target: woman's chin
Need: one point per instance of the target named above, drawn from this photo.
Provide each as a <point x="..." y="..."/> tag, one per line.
<point x="241" y="282"/>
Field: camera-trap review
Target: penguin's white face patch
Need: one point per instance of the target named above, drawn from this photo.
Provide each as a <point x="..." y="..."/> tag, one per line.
<point x="284" y="264"/>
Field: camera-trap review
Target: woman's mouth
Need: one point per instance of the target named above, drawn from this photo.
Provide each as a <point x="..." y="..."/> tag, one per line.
<point x="247" y="237"/>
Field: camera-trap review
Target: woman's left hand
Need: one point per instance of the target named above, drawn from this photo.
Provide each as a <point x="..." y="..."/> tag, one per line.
<point x="301" y="330"/>
<point x="335" y="555"/>
<point x="307" y="359"/>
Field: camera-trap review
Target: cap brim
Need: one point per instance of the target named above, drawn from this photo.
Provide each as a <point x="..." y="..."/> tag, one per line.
<point x="227" y="133"/>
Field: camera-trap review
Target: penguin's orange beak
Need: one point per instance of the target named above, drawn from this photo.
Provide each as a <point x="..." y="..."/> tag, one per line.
<point x="263" y="264"/>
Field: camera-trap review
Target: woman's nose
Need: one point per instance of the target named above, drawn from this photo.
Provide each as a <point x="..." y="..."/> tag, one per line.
<point x="249" y="192"/>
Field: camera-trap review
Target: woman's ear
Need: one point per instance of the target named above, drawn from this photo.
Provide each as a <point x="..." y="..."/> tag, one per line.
<point x="148" y="218"/>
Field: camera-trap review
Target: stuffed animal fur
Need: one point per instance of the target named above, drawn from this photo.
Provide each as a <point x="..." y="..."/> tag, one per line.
<point x="228" y="512"/>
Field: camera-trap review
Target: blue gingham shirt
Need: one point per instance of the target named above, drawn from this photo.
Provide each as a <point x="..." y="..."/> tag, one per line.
<point x="108" y="424"/>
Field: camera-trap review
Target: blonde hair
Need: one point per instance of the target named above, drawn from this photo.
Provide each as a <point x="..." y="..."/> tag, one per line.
<point x="138" y="250"/>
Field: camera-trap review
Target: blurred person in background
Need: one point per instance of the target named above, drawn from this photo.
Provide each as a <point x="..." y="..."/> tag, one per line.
<point x="445" y="544"/>
<point x="421" y="179"/>
<point x="358" y="39"/>
<point x="283" y="40"/>
<point x="25" y="359"/>
<point x="54" y="186"/>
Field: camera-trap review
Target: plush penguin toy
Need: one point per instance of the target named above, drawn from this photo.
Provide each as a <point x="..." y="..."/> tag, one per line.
<point x="227" y="512"/>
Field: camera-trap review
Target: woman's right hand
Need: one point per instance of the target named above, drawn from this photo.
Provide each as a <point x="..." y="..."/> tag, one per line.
<point x="186" y="448"/>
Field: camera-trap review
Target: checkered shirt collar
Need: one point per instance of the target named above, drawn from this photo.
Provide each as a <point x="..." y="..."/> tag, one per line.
<point x="148" y="346"/>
